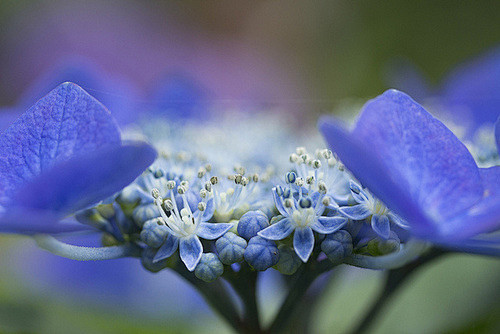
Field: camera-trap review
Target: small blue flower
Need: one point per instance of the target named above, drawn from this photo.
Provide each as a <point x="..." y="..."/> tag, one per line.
<point x="415" y="165"/>
<point x="301" y="216"/>
<point x="185" y="228"/>
<point x="369" y="207"/>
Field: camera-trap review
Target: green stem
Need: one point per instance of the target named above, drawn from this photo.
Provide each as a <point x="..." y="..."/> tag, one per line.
<point x="215" y="294"/>
<point x="244" y="283"/>
<point x="394" y="280"/>
<point x="298" y="288"/>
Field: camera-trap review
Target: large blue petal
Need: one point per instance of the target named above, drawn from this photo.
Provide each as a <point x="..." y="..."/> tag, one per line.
<point x="85" y="179"/>
<point x="212" y="231"/>
<point x="471" y="91"/>
<point x="303" y="242"/>
<point x="497" y="134"/>
<point x="67" y="121"/>
<point x="168" y="248"/>
<point x="491" y="180"/>
<point x="356" y="212"/>
<point x="328" y="225"/>
<point x="382" y="181"/>
<point x="439" y="171"/>
<point x="277" y="231"/>
<point x="28" y="221"/>
<point x="190" y="249"/>
<point x="416" y="165"/>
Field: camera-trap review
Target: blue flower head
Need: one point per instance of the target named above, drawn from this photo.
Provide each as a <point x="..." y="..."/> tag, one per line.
<point x="62" y="155"/>
<point x="369" y="207"/>
<point x="186" y="227"/>
<point x="302" y="211"/>
<point x="420" y="170"/>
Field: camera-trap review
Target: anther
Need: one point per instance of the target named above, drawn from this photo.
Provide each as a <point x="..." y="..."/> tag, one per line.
<point x="301" y="150"/>
<point x="238" y="178"/>
<point x="294" y="158"/>
<point x="310" y="180"/>
<point x="208" y="167"/>
<point x="326" y="201"/>
<point x="201" y="172"/>
<point x="168" y="205"/>
<point x="202" y="206"/>
<point x="316" y="164"/>
<point x="299" y="182"/>
<point x="155" y="193"/>
<point x="279" y="190"/>
<point x="171" y="185"/>
<point x="288" y="203"/>
<point x="203" y="193"/>
<point x="208" y="186"/>
<point x="214" y="180"/>
<point x="290" y="177"/>
<point x="244" y="181"/>
<point x="158" y="173"/>
<point x="305" y="203"/>
<point x="287" y="193"/>
<point x="181" y="190"/>
<point x="322" y="187"/>
<point x="255" y="177"/>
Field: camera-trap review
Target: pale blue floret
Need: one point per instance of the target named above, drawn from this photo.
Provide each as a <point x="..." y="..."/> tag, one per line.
<point x="209" y="268"/>
<point x="301" y="216"/>
<point x="230" y="248"/>
<point x="261" y="253"/>
<point x="185" y="228"/>
<point x="369" y="207"/>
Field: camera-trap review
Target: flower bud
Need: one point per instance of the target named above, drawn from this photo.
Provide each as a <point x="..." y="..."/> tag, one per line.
<point x="261" y="253"/>
<point x="230" y="248"/>
<point x="209" y="268"/>
<point x="337" y="246"/>
<point x="154" y="233"/>
<point x="251" y="223"/>
<point x="289" y="262"/>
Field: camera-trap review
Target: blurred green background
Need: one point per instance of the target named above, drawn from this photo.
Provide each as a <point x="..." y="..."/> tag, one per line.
<point x="306" y="57"/>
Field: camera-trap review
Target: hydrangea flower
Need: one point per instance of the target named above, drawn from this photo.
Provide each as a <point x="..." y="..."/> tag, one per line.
<point x="302" y="216"/>
<point x="185" y="228"/>
<point x="368" y="206"/>
<point x="60" y="156"/>
<point x="414" y="164"/>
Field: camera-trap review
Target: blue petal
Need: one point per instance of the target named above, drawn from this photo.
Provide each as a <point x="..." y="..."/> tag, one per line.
<point x="471" y="90"/>
<point x="28" y="221"/>
<point x="381" y="226"/>
<point x="86" y="179"/>
<point x="356" y="212"/>
<point x="303" y="242"/>
<point x="67" y="121"/>
<point x="279" y="204"/>
<point x="416" y="165"/>
<point x="497" y="134"/>
<point x="209" y="211"/>
<point x="327" y="225"/>
<point x="212" y="231"/>
<point x="168" y="248"/>
<point x="491" y="181"/>
<point x="190" y="250"/>
<point x="278" y="231"/>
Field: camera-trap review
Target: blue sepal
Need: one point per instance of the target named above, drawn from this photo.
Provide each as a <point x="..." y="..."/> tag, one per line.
<point x="212" y="231"/>
<point x="381" y="226"/>
<point x="355" y="212"/>
<point x="327" y="225"/>
<point x="278" y="231"/>
<point x="303" y="242"/>
<point x="190" y="249"/>
<point x="168" y="248"/>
